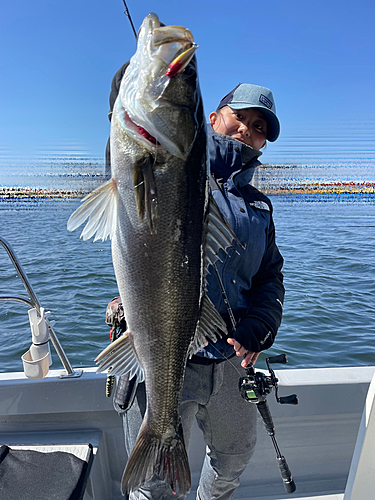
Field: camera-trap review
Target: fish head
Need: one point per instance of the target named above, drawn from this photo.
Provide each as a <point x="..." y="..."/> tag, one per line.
<point x="159" y="94"/>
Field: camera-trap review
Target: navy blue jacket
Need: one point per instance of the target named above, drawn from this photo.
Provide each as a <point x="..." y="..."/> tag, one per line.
<point x="252" y="279"/>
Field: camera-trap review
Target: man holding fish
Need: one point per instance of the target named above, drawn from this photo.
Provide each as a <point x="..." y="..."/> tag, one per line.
<point x="196" y="262"/>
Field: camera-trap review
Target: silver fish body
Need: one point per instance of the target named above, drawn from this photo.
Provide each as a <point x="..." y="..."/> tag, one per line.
<point x="156" y="210"/>
<point x="158" y="266"/>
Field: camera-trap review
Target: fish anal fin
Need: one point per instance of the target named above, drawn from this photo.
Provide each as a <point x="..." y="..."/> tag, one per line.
<point x="119" y="358"/>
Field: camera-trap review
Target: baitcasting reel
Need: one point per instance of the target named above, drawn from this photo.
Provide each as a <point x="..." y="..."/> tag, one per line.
<point x="255" y="388"/>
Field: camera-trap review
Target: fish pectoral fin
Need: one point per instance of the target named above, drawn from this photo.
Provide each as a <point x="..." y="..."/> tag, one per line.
<point x="119" y="358"/>
<point x="145" y="192"/>
<point x="220" y="236"/>
<point x="210" y="326"/>
<point x="100" y="207"/>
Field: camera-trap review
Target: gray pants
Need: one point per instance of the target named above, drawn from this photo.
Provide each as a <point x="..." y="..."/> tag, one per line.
<point x="210" y="395"/>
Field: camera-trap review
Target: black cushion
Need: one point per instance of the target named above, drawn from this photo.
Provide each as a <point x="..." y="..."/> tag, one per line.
<point x="34" y="475"/>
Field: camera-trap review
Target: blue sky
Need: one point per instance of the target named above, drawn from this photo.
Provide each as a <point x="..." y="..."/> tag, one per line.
<point x="58" y="57"/>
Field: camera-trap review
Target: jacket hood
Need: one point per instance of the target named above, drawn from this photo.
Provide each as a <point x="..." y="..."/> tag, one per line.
<point x="229" y="156"/>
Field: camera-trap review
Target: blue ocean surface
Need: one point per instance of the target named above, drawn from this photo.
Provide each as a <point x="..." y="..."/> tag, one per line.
<point x="327" y="240"/>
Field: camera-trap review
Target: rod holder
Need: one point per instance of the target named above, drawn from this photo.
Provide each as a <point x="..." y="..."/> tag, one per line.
<point x="37" y="360"/>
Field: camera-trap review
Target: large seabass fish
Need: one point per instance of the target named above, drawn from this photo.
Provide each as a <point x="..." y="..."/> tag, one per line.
<point x="165" y="233"/>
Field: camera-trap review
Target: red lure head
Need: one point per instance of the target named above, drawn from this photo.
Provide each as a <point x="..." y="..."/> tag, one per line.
<point x="180" y="63"/>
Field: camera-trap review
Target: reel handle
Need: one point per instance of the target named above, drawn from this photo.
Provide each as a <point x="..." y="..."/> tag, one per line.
<point x="289" y="400"/>
<point x="281" y="358"/>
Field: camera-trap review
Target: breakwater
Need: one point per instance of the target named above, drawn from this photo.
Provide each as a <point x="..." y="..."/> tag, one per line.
<point x="35" y="193"/>
<point x="322" y="188"/>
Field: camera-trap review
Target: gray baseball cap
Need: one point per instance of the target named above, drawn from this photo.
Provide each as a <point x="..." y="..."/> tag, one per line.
<point x="246" y="95"/>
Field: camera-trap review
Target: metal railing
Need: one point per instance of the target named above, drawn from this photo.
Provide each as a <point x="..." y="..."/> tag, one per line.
<point x="33" y="302"/>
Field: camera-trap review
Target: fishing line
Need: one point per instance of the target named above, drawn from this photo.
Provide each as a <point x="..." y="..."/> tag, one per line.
<point x="230" y="313"/>
<point x="127" y="13"/>
<point x="225" y="298"/>
<point x="227" y="359"/>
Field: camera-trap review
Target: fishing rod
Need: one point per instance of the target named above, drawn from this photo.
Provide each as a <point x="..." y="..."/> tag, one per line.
<point x="255" y="388"/>
<point x="127" y="13"/>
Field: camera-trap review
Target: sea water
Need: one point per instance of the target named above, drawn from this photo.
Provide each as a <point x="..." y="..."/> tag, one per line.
<point x="327" y="241"/>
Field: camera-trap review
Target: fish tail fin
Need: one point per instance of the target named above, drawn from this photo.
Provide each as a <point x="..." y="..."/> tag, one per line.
<point x="164" y="459"/>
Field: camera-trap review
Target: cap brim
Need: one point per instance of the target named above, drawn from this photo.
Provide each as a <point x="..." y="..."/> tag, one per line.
<point x="273" y="124"/>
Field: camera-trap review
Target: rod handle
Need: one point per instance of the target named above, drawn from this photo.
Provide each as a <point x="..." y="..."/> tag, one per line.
<point x="266" y="417"/>
<point x="289" y="484"/>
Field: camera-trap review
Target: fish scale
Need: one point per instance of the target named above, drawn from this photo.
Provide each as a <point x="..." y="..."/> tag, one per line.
<point x="176" y="295"/>
<point x="160" y="283"/>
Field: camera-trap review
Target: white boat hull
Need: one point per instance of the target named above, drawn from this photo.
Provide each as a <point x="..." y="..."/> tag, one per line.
<point x="317" y="436"/>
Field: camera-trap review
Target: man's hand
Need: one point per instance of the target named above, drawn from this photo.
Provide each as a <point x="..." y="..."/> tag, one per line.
<point x="242" y="351"/>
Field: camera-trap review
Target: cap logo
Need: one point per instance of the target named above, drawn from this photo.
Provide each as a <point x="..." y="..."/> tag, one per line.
<point x="265" y="101"/>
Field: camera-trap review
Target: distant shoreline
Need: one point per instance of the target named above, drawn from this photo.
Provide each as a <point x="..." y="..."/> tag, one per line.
<point x="338" y="187"/>
<point x="19" y="193"/>
<point x="34" y="193"/>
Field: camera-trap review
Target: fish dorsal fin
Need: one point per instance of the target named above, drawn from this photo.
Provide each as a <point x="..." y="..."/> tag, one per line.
<point x="210" y="326"/>
<point x="100" y="207"/>
<point x="220" y="236"/>
<point x="119" y="358"/>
